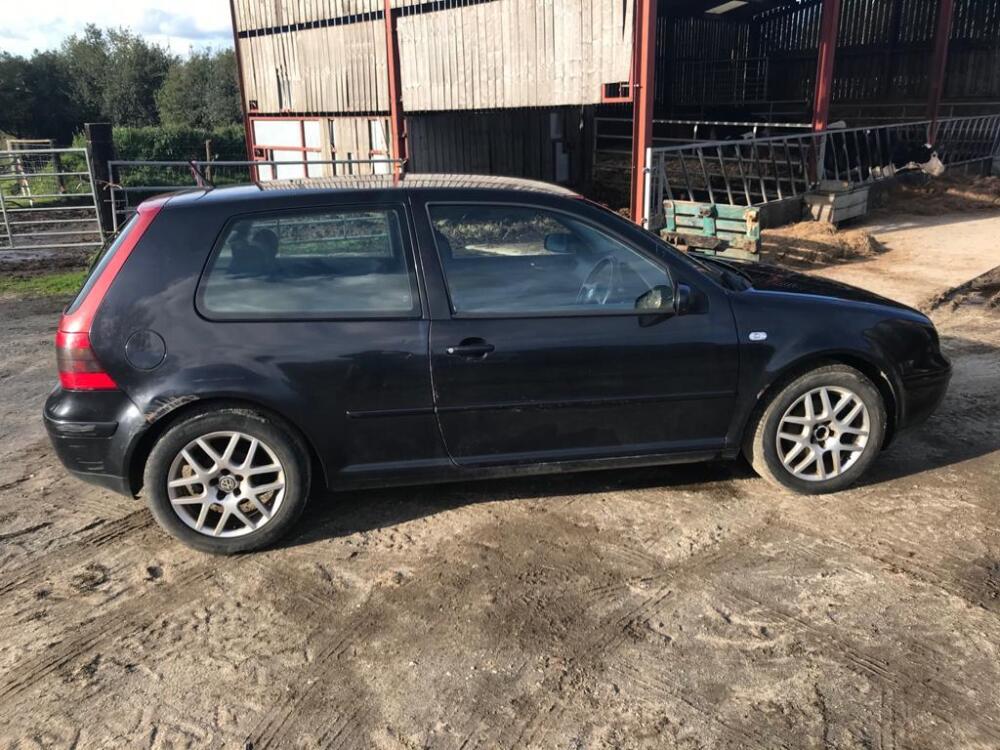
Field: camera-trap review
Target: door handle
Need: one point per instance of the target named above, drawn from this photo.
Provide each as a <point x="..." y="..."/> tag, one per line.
<point x="470" y="348"/>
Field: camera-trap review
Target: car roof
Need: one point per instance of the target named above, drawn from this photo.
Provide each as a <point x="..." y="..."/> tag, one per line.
<point x="343" y="186"/>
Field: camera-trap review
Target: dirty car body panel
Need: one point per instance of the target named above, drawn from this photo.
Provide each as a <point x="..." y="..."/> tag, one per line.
<point x="404" y="399"/>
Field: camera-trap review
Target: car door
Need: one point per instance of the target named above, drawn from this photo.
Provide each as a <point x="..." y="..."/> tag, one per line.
<point x="543" y="355"/>
<point x="317" y="313"/>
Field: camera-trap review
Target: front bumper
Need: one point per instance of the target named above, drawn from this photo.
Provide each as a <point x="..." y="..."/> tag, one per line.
<point x="922" y="393"/>
<point x="93" y="434"/>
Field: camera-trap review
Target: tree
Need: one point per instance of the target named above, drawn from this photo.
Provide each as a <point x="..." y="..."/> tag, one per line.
<point x="136" y="71"/>
<point x="116" y="76"/>
<point x="15" y="102"/>
<point x="201" y="92"/>
<point x="87" y="60"/>
<point x="54" y="109"/>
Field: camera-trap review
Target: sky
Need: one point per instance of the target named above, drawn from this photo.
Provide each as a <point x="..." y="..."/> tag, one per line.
<point x="28" y="25"/>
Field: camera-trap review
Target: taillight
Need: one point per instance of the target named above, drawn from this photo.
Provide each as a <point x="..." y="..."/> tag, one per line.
<point x="79" y="369"/>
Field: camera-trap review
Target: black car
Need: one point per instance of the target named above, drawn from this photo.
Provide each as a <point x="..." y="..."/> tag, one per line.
<point x="234" y="347"/>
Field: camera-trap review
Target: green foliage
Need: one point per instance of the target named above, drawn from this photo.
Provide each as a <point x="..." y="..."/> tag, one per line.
<point x="170" y="143"/>
<point x="113" y="75"/>
<point x="201" y="92"/>
<point x="167" y="143"/>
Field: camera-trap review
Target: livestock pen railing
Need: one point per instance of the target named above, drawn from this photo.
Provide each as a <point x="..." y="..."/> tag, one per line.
<point x="131" y="182"/>
<point x="613" y="135"/>
<point x="757" y="171"/>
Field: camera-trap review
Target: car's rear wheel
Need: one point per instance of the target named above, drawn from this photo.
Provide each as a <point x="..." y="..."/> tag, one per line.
<point x="228" y="480"/>
<point x="819" y="432"/>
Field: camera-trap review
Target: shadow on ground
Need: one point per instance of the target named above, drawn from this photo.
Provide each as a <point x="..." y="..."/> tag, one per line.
<point x="335" y="514"/>
<point x="969" y="417"/>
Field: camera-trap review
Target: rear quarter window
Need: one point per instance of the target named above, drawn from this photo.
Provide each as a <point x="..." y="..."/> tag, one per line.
<point x="322" y="263"/>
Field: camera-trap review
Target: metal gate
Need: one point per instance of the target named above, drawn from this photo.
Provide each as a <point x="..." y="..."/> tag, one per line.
<point x="48" y="201"/>
<point x="132" y="182"/>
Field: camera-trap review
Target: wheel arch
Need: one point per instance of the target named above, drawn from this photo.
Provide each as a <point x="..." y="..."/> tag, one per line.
<point x="865" y="365"/>
<point x="139" y="454"/>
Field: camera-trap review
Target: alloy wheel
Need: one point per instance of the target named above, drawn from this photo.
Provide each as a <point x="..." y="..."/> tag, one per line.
<point x="823" y="433"/>
<point x="226" y="484"/>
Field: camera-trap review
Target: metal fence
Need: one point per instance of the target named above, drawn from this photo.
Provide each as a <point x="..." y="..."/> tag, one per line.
<point x="131" y="182"/>
<point x="758" y="171"/>
<point x="613" y="135"/>
<point x="47" y="200"/>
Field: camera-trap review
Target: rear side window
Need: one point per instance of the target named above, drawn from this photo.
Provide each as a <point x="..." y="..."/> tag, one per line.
<point x="328" y="263"/>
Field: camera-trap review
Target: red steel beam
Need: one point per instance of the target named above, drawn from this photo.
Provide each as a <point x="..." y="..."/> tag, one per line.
<point x="247" y="125"/>
<point x="398" y="144"/>
<point x="939" y="62"/>
<point x="828" y="30"/>
<point x="643" y="69"/>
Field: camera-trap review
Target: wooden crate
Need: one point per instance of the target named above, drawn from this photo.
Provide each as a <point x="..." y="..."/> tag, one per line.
<point x="836" y="202"/>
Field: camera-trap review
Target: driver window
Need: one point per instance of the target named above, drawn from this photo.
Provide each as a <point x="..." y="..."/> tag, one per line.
<point x="524" y="260"/>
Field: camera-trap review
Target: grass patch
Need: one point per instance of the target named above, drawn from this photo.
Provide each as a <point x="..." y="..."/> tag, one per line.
<point x="62" y="284"/>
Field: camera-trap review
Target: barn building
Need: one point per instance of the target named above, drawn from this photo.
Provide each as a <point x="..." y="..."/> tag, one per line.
<point x="541" y="88"/>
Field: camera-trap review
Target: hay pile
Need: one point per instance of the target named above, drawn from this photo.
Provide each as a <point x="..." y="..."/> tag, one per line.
<point x="946" y="195"/>
<point x="811" y="243"/>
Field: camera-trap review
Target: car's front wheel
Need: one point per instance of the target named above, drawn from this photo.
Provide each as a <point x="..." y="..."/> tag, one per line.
<point x="227" y="480"/>
<point x="819" y="432"/>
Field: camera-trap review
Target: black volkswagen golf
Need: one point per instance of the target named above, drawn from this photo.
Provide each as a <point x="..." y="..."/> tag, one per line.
<point x="234" y="347"/>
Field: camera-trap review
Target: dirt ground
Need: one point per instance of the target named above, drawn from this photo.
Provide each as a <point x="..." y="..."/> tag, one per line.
<point x="685" y="607"/>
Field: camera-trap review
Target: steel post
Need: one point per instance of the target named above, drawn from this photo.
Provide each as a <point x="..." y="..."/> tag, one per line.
<point x="396" y="124"/>
<point x="247" y="128"/>
<point x="828" y="31"/>
<point x="6" y="224"/>
<point x="939" y="63"/>
<point x="643" y="66"/>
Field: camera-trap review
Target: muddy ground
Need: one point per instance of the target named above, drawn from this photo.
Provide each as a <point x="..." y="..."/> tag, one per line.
<point x="685" y="607"/>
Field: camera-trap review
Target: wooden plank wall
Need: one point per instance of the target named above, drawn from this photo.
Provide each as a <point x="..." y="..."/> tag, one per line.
<point x="883" y="54"/>
<point x="329" y="55"/>
<point x="513" y="53"/>
<point x="313" y="55"/>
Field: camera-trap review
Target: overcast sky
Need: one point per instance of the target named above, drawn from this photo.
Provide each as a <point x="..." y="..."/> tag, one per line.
<point x="28" y="25"/>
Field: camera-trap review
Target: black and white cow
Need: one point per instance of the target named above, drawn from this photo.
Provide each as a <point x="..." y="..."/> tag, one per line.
<point x="855" y="156"/>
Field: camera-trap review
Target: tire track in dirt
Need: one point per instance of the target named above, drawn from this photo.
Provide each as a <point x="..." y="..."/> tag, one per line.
<point x="907" y="677"/>
<point x="136" y="614"/>
<point x="612" y="631"/>
<point x="984" y="595"/>
<point x="81" y="550"/>
<point x="272" y="729"/>
<point x="744" y="735"/>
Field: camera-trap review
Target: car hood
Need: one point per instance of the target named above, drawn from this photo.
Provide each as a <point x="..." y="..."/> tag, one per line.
<point x="766" y="278"/>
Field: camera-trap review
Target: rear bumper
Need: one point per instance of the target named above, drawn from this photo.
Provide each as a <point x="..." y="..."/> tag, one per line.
<point x="93" y="434"/>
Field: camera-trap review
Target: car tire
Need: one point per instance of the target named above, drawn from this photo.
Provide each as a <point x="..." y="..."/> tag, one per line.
<point x="812" y="443"/>
<point x="224" y="504"/>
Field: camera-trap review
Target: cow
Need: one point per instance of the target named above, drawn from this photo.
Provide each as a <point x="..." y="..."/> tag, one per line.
<point x="857" y="156"/>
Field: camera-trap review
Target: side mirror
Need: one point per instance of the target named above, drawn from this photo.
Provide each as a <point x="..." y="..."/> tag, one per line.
<point x="682" y="299"/>
<point x="665" y="300"/>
